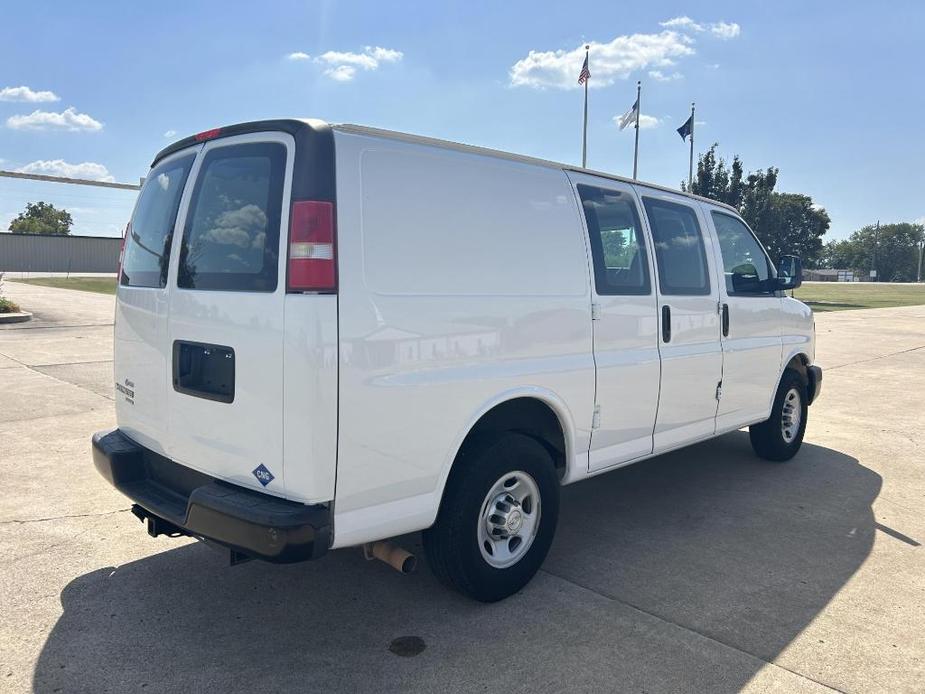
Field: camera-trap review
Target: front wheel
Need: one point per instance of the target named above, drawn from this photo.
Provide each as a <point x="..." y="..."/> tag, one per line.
<point x="497" y="519"/>
<point x="780" y="437"/>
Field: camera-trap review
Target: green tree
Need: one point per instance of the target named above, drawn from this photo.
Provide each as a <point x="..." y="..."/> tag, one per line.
<point x="840" y="255"/>
<point x="892" y="250"/>
<point x="786" y="223"/>
<point x="717" y="181"/>
<point x="42" y="218"/>
<point x="793" y="224"/>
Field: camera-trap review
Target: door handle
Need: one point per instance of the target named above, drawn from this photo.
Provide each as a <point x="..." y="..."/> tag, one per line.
<point x="725" y="320"/>
<point x="666" y="323"/>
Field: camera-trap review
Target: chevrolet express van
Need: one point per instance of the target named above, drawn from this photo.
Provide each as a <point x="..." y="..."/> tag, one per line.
<point x="329" y="335"/>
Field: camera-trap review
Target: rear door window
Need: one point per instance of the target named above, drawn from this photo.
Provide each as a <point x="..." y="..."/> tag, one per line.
<point x="147" y="248"/>
<point x="679" y="252"/>
<point x="231" y="237"/>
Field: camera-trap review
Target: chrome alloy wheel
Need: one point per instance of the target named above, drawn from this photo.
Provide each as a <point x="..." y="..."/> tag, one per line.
<point x="791" y="415"/>
<point x="509" y="520"/>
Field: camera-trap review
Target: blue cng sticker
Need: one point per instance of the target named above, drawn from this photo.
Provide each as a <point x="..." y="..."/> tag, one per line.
<point x="263" y="475"/>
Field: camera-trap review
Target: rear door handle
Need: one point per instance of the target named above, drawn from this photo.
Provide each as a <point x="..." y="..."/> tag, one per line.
<point x="725" y="320"/>
<point x="666" y="323"/>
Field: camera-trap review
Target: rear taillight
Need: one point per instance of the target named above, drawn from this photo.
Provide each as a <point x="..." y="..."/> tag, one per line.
<point x="312" y="257"/>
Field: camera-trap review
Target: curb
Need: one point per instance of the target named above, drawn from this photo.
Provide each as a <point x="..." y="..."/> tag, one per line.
<point x="20" y="317"/>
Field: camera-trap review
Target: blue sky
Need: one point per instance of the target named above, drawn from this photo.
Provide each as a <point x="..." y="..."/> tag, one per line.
<point x="829" y="92"/>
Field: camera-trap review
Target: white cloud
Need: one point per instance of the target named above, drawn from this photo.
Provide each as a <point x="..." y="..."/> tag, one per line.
<point x="170" y="133"/>
<point x="69" y="119"/>
<point x="337" y="58"/>
<point x="920" y="220"/>
<point x="722" y="30"/>
<point x="725" y="30"/>
<point x="682" y="23"/>
<point x="24" y="93"/>
<point x="660" y="76"/>
<point x="341" y="73"/>
<point x="342" y="66"/>
<point x="609" y="61"/>
<point x="385" y="55"/>
<point x="88" y="170"/>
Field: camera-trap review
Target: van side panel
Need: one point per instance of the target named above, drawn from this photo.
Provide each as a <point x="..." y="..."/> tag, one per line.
<point x="463" y="279"/>
<point x="310" y="397"/>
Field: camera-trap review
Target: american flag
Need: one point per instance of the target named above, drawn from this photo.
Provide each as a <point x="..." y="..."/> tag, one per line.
<point x="585" y="72"/>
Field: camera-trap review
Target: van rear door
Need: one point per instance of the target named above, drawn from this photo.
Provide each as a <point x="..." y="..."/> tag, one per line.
<point x="225" y="327"/>
<point x="141" y="355"/>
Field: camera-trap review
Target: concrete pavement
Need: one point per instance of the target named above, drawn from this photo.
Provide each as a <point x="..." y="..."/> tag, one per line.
<point x="703" y="570"/>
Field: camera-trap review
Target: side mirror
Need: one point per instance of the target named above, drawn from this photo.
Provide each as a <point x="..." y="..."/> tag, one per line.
<point x="789" y="272"/>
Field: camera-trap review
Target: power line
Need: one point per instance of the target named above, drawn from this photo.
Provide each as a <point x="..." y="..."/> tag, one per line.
<point x="74" y="181"/>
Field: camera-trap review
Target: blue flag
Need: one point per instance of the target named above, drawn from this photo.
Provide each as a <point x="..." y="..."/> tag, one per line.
<point x="687" y="129"/>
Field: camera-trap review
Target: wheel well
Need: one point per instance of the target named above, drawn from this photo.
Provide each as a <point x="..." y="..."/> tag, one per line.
<point x="798" y="363"/>
<point x="527" y="416"/>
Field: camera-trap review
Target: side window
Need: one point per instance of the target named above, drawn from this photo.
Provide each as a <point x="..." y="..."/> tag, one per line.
<point x="617" y="245"/>
<point x="231" y="239"/>
<point x="745" y="264"/>
<point x="679" y="252"/>
<point x="147" y="248"/>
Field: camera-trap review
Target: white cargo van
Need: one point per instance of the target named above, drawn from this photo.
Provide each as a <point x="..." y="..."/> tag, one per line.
<point x="330" y="335"/>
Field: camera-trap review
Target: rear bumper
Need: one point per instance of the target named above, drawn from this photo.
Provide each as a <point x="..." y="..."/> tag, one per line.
<point x="814" y="387"/>
<point x="177" y="500"/>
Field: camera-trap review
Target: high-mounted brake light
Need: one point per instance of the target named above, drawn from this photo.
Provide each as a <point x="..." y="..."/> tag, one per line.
<point x="312" y="257"/>
<point x="207" y="134"/>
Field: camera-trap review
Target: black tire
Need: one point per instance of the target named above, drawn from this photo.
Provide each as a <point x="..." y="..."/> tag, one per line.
<point x="452" y="543"/>
<point x="768" y="439"/>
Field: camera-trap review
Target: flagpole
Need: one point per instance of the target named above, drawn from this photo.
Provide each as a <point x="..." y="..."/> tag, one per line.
<point x="584" y="132"/>
<point x="638" y="116"/>
<point x="690" y="166"/>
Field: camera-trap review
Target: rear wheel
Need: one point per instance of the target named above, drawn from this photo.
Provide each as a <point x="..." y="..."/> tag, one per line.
<point x="497" y="519"/>
<point x="780" y="437"/>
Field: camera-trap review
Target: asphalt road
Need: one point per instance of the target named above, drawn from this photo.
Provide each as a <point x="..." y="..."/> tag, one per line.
<point x="703" y="570"/>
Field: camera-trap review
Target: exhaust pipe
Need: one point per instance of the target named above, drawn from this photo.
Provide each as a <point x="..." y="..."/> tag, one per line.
<point x="393" y="555"/>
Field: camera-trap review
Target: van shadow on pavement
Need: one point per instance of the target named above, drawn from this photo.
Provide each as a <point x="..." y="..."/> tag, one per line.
<point x="709" y="538"/>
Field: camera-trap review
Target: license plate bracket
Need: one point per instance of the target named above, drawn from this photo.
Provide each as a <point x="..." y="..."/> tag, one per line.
<point x="204" y="370"/>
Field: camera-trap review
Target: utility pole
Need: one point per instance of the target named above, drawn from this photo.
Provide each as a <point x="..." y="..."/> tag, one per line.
<point x="921" y="251"/>
<point x="873" y="263"/>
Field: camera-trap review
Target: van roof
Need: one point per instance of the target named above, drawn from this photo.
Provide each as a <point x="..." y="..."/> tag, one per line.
<point x="458" y="146"/>
<point x="293" y="125"/>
